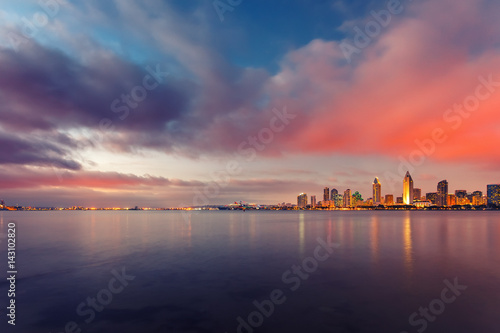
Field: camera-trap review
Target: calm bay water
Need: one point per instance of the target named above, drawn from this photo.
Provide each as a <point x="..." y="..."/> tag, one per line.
<point x="200" y="272"/>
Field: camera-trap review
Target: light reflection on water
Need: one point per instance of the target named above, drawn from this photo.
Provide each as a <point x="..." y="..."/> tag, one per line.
<point x="408" y="244"/>
<point x="199" y="272"/>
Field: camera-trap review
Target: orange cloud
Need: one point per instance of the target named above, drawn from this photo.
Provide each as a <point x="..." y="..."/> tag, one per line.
<point x="400" y="88"/>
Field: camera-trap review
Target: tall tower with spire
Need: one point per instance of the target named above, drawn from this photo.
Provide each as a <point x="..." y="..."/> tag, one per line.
<point x="377" y="188"/>
<point x="408" y="189"/>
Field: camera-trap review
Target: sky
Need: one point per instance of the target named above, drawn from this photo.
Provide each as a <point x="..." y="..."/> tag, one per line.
<point x="179" y="103"/>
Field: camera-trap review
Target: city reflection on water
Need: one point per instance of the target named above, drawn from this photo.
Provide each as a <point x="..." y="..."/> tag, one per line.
<point x="200" y="271"/>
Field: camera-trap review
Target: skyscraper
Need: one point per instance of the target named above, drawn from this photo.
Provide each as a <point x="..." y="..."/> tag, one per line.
<point x="442" y="193"/>
<point x="333" y="194"/>
<point x="408" y="189"/>
<point x="313" y="201"/>
<point x="377" y="192"/>
<point x="326" y="194"/>
<point x="302" y="200"/>
<point x="494" y="195"/>
<point x="347" y="198"/>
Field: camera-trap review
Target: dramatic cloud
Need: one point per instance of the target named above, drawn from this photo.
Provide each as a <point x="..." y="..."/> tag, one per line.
<point x="401" y="87"/>
<point x="37" y="151"/>
<point x="33" y="178"/>
<point x="54" y="91"/>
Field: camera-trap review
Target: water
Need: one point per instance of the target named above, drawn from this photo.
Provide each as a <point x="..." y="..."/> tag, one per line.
<point x="201" y="273"/>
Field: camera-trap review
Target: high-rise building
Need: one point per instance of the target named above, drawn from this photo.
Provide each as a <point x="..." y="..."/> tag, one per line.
<point x="399" y="200"/>
<point x="326" y="194"/>
<point x="461" y="197"/>
<point x="417" y="194"/>
<point x="333" y="193"/>
<point x="493" y="195"/>
<point x="442" y="193"/>
<point x="377" y="192"/>
<point x="408" y="189"/>
<point x="313" y="201"/>
<point x="477" y="198"/>
<point x="302" y="200"/>
<point x="347" y="198"/>
<point x="389" y="200"/>
<point x="432" y="197"/>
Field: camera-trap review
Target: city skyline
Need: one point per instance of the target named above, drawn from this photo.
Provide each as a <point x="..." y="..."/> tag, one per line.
<point x="440" y="197"/>
<point x="143" y="107"/>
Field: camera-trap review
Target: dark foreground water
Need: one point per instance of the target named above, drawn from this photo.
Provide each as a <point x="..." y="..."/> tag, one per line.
<point x="233" y="272"/>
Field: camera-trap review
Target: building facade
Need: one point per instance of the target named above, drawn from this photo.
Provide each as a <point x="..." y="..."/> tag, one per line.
<point x="442" y="193"/>
<point x="347" y="198"/>
<point x="338" y="200"/>
<point x="417" y="194"/>
<point x="493" y="195"/>
<point x="326" y="194"/>
<point x="389" y="200"/>
<point x="477" y="198"/>
<point x="461" y="197"/>
<point x="313" y="201"/>
<point x="377" y="192"/>
<point x="333" y="193"/>
<point x="451" y="200"/>
<point x="432" y="197"/>
<point x="302" y="200"/>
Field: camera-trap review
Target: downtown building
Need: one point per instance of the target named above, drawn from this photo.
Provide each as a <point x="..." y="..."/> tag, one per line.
<point x="377" y="192"/>
<point x="302" y="200"/>
<point x="417" y="194"/>
<point x="461" y="197"/>
<point x="477" y="198"/>
<point x="451" y="199"/>
<point x="389" y="200"/>
<point x="442" y="193"/>
<point x="408" y="189"/>
<point x="347" y="199"/>
<point x="333" y="193"/>
<point x="326" y="194"/>
<point x="493" y="192"/>
<point x="313" y="201"/>
<point x="338" y="200"/>
<point x="431" y="197"/>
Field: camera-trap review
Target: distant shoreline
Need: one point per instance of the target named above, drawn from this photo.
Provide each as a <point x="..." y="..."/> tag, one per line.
<point x="198" y="209"/>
